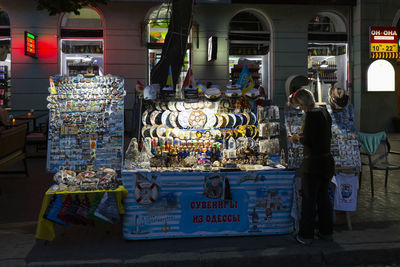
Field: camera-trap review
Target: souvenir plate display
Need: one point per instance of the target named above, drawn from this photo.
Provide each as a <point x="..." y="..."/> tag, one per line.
<point x="198" y="134"/>
<point x="86" y="123"/>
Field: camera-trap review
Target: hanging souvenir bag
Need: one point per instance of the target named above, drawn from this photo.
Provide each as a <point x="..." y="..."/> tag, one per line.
<point x="65" y="206"/>
<point x="83" y="210"/>
<point x="93" y="207"/>
<point x="53" y="209"/>
<point x="71" y="212"/>
<point x="107" y="209"/>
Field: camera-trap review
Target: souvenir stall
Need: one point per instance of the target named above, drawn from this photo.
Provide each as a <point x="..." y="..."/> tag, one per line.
<point x="85" y="146"/>
<point x="208" y="165"/>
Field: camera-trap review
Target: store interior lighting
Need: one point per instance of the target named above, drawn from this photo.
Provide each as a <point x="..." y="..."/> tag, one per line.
<point x="324" y="64"/>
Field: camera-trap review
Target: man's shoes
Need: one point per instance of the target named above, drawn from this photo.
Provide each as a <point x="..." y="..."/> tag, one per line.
<point x="328" y="238"/>
<point x="303" y="241"/>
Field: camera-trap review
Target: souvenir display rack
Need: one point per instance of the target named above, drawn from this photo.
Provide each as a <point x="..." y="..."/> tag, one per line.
<point x="85" y="146"/>
<point x="344" y="144"/>
<point x="203" y="135"/>
<point x="86" y="123"/>
<point x="345" y="148"/>
<point x="269" y="132"/>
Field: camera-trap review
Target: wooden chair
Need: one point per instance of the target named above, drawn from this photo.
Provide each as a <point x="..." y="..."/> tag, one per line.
<point x="12" y="144"/>
<point x="378" y="160"/>
<point x="39" y="140"/>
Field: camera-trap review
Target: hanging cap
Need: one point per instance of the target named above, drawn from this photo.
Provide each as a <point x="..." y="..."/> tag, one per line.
<point x="149" y="93"/>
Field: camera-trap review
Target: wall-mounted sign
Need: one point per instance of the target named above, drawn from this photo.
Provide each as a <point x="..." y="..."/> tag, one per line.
<point x="383" y="42"/>
<point x="212" y="48"/>
<point x="30" y="44"/>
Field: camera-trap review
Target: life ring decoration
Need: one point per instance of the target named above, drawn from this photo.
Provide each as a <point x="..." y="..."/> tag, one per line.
<point x="146" y="193"/>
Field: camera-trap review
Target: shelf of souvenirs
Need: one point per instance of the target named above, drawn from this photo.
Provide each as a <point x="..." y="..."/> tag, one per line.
<point x="327" y="51"/>
<point x="253" y="74"/>
<point x="82" y="49"/>
<point x="329" y="77"/>
<point x="203" y="155"/>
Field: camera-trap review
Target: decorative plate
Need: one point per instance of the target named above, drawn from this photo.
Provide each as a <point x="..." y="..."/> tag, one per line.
<point x="183" y="119"/>
<point x="194" y="105"/>
<point x="187" y="105"/>
<point x="239" y="119"/>
<point x="246" y="118"/>
<point x="226" y="120"/>
<point x="161" y="130"/>
<point x="163" y="106"/>
<point x="153" y="117"/>
<point x="253" y="118"/>
<point x="144" y="117"/>
<point x="255" y="131"/>
<point x="153" y="131"/>
<point x="199" y="134"/>
<point x="220" y="121"/>
<point x="207" y="134"/>
<point x="173" y="119"/>
<point x="171" y="105"/>
<point x="157" y="106"/>
<point x="211" y="121"/>
<point x="249" y="131"/>
<point x="225" y="104"/>
<point x="164" y="117"/>
<point x="197" y="119"/>
<point x="232" y="120"/>
<point x="146" y="131"/>
<point x="179" y="106"/>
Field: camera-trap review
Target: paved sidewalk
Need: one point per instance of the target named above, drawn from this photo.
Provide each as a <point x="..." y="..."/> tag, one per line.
<point x="374" y="240"/>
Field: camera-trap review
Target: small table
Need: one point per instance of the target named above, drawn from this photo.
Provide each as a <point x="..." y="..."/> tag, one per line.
<point x="45" y="228"/>
<point x="33" y="117"/>
<point x="17" y="123"/>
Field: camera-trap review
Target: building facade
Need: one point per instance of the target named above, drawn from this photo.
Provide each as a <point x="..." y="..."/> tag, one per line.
<point x="275" y="40"/>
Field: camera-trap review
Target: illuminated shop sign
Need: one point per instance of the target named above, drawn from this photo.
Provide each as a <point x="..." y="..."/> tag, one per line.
<point x="30" y="44"/>
<point x="383" y="42"/>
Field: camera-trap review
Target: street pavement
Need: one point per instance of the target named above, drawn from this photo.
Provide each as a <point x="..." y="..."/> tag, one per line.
<point x="374" y="240"/>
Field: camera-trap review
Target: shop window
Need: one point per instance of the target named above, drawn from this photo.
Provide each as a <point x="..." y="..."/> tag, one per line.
<point x="5" y="60"/>
<point x="327" y="54"/>
<point x="81" y="44"/>
<point x="249" y="41"/>
<point x="381" y="76"/>
<point x="156" y="30"/>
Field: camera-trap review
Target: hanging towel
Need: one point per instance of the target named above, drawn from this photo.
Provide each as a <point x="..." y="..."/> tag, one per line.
<point x="370" y="142"/>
